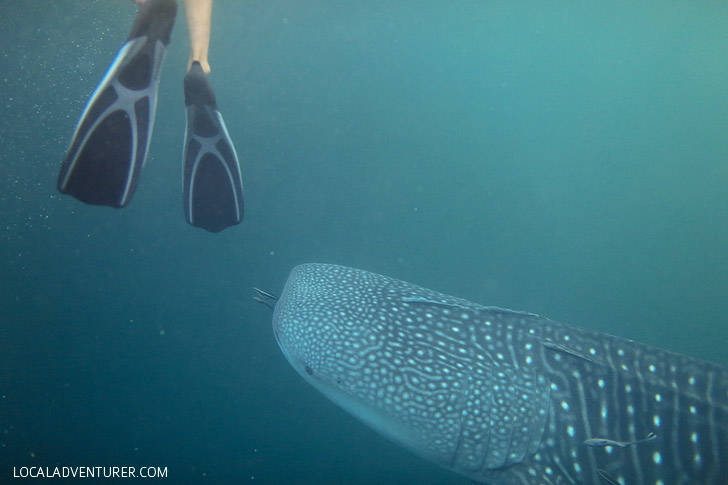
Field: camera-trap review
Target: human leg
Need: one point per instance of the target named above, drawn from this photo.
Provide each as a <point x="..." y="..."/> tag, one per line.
<point x="199" y="13"/>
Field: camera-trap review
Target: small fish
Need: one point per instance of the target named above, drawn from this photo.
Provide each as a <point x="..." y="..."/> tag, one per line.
<point x="561" y="348"/>
<point x="621" y="444"/>
<point x="605" y="476"/>
<point x="265" y="294"/>
<point x="264" y="298"/>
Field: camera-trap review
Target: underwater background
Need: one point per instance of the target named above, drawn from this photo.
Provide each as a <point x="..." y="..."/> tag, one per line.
<point x="564" y="158"/>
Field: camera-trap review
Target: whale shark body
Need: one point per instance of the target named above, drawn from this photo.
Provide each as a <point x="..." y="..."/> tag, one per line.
<point x="500" y="396"/>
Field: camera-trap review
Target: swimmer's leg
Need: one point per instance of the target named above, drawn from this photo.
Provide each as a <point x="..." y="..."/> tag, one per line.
<point x="199" y="13"/>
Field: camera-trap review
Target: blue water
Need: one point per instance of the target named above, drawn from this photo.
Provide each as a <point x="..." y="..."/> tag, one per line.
<point x="564" y="158"/>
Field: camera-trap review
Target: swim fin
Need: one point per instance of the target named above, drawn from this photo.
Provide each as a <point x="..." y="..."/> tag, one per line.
<point x="212" y="182"/>
<point x="110" y="144"/>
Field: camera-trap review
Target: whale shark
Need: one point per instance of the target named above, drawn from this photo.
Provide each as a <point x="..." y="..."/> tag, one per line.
<point x="499" y="396"/>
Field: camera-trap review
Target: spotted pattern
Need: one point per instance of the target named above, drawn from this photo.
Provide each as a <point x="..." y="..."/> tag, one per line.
<point x="499" y="396"/>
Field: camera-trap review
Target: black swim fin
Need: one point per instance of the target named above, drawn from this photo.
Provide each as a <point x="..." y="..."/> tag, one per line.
<point x="108" y="149"/>
<point x="212" y="183"/>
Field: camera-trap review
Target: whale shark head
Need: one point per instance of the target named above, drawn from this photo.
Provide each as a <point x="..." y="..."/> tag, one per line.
<point x="401" y="358"/>
<point x="335" y="329"/>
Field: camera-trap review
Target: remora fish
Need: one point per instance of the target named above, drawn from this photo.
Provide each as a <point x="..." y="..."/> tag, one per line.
<point x="500" y="396"/>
